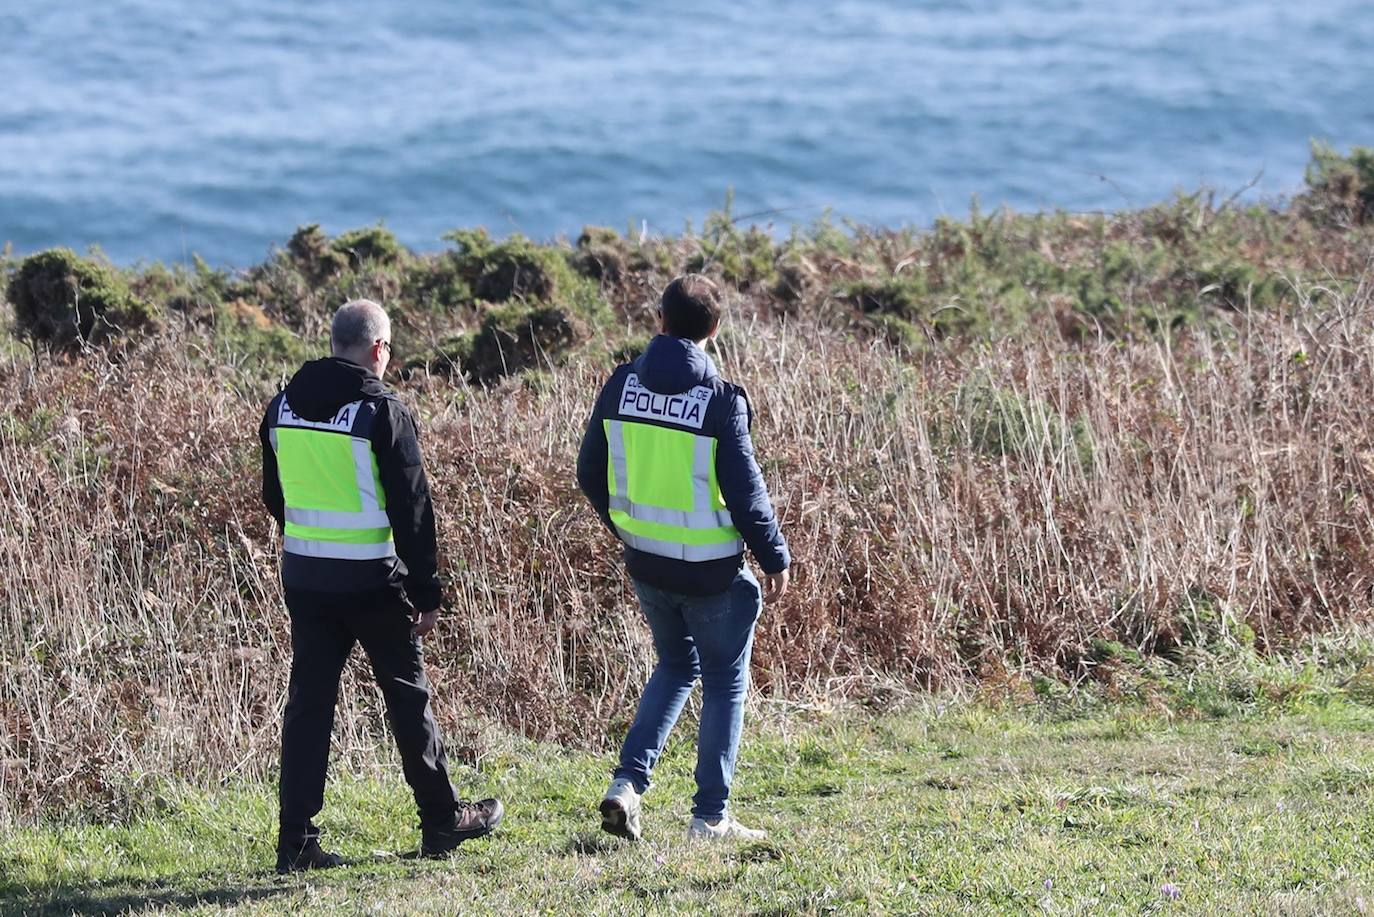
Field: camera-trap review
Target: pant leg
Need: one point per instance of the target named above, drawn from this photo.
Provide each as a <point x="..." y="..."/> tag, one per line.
<point x="320" y="644"/>
<point x="723" y="629"/>
<point x="666" y="691"/>
<point x="382" y="626"/>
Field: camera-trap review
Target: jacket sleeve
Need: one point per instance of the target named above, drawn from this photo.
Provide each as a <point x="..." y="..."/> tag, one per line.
<point x="591" y="465"/>
<point x="396" y="442"/>
<point x="272" y="497"/>
<point x="746" y="495"/>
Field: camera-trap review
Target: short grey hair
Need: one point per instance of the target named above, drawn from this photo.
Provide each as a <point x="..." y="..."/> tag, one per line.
<point x="357" y="324"/>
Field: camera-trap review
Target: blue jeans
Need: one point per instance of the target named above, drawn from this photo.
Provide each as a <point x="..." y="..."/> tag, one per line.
<point x="710" y="637"/>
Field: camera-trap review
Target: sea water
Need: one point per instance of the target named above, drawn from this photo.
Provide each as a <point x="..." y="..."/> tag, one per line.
<point x="158" y="128"/>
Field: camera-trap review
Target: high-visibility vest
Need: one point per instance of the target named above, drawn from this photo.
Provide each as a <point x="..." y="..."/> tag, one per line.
<point x="335" y="505"/>
<point x="665" y="498"/>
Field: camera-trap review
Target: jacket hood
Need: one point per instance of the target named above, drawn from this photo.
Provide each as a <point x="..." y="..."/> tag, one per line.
<point x="670" y="366"/>
<point x="321" y="387"/>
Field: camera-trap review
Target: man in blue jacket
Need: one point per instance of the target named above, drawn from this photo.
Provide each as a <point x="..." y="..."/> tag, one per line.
<point x="668" y="464"/>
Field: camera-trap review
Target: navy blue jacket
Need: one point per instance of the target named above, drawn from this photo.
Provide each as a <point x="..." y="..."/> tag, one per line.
<point x="671" y="366"/>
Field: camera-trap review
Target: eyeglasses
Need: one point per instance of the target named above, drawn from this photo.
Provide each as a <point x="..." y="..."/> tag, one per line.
<point x="387" y="345"/>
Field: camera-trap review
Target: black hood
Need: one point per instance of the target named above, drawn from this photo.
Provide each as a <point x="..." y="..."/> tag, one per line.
<point x="671" y="366"/>
<point x="321" y="387"/>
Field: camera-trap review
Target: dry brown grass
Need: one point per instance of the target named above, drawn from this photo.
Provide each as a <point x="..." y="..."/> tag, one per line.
<point x="953" y="514"/>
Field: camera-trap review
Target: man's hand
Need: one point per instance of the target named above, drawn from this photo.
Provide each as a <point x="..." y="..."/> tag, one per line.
<point x="774" y="585"/>
<point x="424" y="623"/>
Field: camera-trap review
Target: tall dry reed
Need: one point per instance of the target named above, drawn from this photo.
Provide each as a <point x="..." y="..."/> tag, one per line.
<point x="952" y="514"/>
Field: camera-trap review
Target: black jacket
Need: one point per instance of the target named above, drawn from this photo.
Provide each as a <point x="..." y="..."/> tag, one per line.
<point x="316" y="393"/>
<point x="671" y="366"/>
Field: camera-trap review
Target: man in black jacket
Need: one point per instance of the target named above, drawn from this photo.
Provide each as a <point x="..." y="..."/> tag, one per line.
<point x="341" y="474"/>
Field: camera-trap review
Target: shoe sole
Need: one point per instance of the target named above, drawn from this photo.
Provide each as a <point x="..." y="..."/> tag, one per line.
<point x="615" y="820"/>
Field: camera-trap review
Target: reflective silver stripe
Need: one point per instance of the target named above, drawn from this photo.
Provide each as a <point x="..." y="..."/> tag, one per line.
<point x="693" y="552"/>
<point x="332" y="519"/>
<point x="707" y="519"/>
<point x="616" y="442"/>
<point x="362" y="471"/>
<point x="702" y="457"/>
<point x="272" y="435"/>
<point x="338" y="550"/>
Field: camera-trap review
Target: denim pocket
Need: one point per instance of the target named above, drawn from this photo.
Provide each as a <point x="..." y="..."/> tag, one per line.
<point x="746" y="593"/>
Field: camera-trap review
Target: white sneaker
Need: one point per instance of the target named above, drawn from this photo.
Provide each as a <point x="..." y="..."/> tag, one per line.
<point x="725" y="828"/>
<point x="620" y="809"/>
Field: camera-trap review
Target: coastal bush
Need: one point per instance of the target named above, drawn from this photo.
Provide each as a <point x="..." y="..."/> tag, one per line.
<point x="1234" y="284"/>
<point x="902" y="296"/>
<point x="799" y="278"/>
<point x="435" y="286"/>
<point x="370" y="245"/>
<point x="744" y="258"/>
<point x="1340" y="188"/>
<point x="532" y="307"/>
<point x="514" y="268"/>
<point x="602" y="254"/>
<point x="66" y="300"/>
<point x="190" y="292"/>
<point x="312" y="252"/>
<point x="481" y="269"/>
<point x="303" y="282"/>
<point x="244" y="337"/>
<point x="516" y="337"/>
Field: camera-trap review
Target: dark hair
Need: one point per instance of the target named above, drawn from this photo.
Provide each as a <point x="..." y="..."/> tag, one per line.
<point x="690" y="307"/>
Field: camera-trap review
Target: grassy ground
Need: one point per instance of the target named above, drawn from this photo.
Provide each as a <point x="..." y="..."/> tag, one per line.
<point x="958" y="809"/>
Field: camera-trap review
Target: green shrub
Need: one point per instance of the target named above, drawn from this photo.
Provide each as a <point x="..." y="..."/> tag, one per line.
<point x="903" y="296"/>
<point x="319" y="258"/>
<point x="481" y="269"/>
<point x="244" y="334"/>
<point x="435" y="285"/>
<point x="177" y="288"/>
<point x="601" y="254"/>
<point x="1340" y="188"/>
<point x="517" y="337"/>
<point x="514" y="268"/>
<point x="303" y="283"/>
<point x="629" y="349"/>
<point x="370" y="245"/>
<point x="311" y="252"/>
<point x="745" y="258"/>
<point x="1237" y="285"/>
<point x="64" y="299"/>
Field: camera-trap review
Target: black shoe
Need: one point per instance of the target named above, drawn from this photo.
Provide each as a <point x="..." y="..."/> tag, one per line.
<point x="469" y="820"/>
<point x="294" y="856"/>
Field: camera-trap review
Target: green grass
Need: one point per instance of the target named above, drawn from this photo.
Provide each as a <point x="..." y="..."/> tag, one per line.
<point x="959" y="809"/>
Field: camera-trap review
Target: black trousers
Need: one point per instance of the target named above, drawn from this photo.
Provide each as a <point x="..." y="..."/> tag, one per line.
<point x="324" y="627"/>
